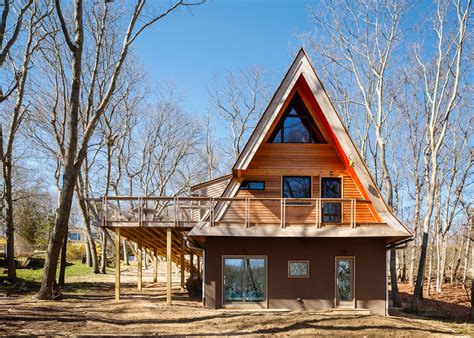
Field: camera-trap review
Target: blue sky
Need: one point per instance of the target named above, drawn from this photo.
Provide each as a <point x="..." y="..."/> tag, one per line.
<point x="192" y="47"/>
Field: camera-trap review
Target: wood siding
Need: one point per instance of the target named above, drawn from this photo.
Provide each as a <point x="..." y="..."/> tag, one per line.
<point x="213" y="188"/>
<point x="271" y="162"/>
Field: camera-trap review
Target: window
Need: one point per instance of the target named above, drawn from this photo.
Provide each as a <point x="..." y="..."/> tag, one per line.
<point x="297" y="125"/>
<point x="244" y="279"/>
<point x="298" y="269"/>
<point x="252" y="185"/>
<point x="296" y="187"/>
<point x="74" y="236"/>
<point x="331" y="188"/>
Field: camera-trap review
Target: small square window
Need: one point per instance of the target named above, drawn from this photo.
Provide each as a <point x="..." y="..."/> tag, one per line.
<point x="298" y="269"/>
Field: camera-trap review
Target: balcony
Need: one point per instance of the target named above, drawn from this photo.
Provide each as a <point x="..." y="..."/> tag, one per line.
<point x="185" y="212"/>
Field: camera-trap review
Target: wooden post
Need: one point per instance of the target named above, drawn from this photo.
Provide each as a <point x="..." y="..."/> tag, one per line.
<point x="139" y="265"/>
<point x="117" y="264"/>
<point x="191" y="264"/>
<point x="198" y="267"/>
<point x="182" y="264"/>
<point x="155" y="266"/>
<point x="168" y="266"/>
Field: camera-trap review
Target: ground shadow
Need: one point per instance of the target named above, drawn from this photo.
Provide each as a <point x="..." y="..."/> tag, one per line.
<point x="433" y="309"/>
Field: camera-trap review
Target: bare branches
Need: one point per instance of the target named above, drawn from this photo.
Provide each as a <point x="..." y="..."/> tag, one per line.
<point x="239" y="99"/>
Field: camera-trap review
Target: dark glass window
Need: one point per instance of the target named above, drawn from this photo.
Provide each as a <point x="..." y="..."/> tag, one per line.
<point x="297" y="125"/>
<point x="296" y="187"/>
<point x="252" y="185"/>
<point x="331" y="188"/>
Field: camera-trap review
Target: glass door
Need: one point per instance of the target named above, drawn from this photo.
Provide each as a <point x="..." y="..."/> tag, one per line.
<point x="345" y="282"/>
<point x="244" y="279"/>
<point x="331" y="188"/>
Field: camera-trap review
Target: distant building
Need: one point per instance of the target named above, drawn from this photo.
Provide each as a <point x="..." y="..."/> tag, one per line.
<point x="76" y="235"/>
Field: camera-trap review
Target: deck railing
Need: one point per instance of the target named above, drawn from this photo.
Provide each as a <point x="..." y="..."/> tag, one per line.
<point x="187" y="211"/>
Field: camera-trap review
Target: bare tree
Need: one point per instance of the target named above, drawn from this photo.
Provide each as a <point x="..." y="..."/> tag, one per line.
<point x="161" y="160"/>
<point x="76" y="150"/>
<point x="9" y="33"/>
<point x="441" y="78"/>
<point x="20" y="67"/>
<point x="239" y="99"/>
<point x="360" y="44"/>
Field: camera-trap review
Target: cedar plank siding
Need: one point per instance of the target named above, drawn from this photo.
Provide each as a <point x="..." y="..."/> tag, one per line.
<point x="271" y="162"/>
<point x="213" y="188"/>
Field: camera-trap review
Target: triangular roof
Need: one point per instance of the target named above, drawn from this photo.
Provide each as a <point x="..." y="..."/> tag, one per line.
<point x="302" y="70"/>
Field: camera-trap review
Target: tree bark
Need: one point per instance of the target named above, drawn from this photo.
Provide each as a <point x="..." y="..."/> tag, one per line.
<point x="62" y="266"/>
<point x="10" y="229"/>
<point x="103" y="259"/>
<point x="393" y="278"/>
<point x="90" y="239"/>
<point x="125" y="252"/>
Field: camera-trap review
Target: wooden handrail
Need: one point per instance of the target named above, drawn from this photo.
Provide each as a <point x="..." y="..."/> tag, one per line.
<point x="182" y="204"/>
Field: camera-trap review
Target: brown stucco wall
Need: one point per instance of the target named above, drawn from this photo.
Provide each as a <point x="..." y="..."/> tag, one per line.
<point x="317" y="291"/>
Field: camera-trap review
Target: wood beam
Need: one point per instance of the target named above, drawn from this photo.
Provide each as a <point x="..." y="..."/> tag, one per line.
<point x="168" y="265"/>
<point x="117" y="264"/>
<point x="139" y="265"/>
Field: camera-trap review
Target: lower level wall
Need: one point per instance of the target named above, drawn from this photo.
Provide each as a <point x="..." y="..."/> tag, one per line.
<point x="317" y="292"/>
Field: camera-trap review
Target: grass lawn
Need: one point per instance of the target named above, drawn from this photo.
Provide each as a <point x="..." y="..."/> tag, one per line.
<point x="29" y="280"/>
<point x="35" y="275"/>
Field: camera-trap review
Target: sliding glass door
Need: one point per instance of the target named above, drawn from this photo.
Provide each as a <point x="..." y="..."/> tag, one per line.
<point x="244" y="279"/>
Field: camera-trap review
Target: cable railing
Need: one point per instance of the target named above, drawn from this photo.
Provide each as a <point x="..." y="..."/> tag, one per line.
<point x="184" y="211"/>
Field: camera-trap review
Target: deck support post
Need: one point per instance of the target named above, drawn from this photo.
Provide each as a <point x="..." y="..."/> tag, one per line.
<point x="168" y="266"/>
<point x="198" y="267"/>
<point x="191" y="265"/>
<point x="117" y="264"/>
<point x="182" y="263"/>
<point x="139" y="265"/>
<point x="155" y="265"/>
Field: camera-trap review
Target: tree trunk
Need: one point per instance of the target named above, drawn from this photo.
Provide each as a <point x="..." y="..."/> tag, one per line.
<point x="88" y="253"/>
<point x="403" y="275"/>
<point x="393" y="278"/>
<point x="58" y="236"/>
<point x="103" y="261"/>
<point x="430" y="264"/>
<point x="63" y="263"/>
<point x="457" y="260"/>
<point x="125" y="252"/>
<point x="418" y="292"/>
<point x="10" y="229"/>
<point x="466" y="261"/>
<point x="90" y="239"/>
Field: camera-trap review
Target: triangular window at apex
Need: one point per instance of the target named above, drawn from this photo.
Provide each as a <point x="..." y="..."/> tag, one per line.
<point x="296" y="125"/>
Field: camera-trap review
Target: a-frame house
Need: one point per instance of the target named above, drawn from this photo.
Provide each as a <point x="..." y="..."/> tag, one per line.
<point x="299" y="223"/>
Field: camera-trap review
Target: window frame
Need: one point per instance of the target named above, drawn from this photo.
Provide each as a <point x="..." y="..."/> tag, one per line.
<point x="244" y="304"/>
<point x="298" y="261"/>
<point x="288" y="199"/>
<point x="302" y="112"/>
<point x="75" y="234"/>
<point x="341" y="179"/>
<point x="252" y="181"/>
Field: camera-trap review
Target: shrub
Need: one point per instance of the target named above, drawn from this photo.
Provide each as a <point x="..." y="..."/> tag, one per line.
<point x="194" y="287"/>
<point x="75" y="251"/>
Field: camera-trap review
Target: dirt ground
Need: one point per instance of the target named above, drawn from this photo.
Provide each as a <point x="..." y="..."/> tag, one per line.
<point x="88" y="308"/>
